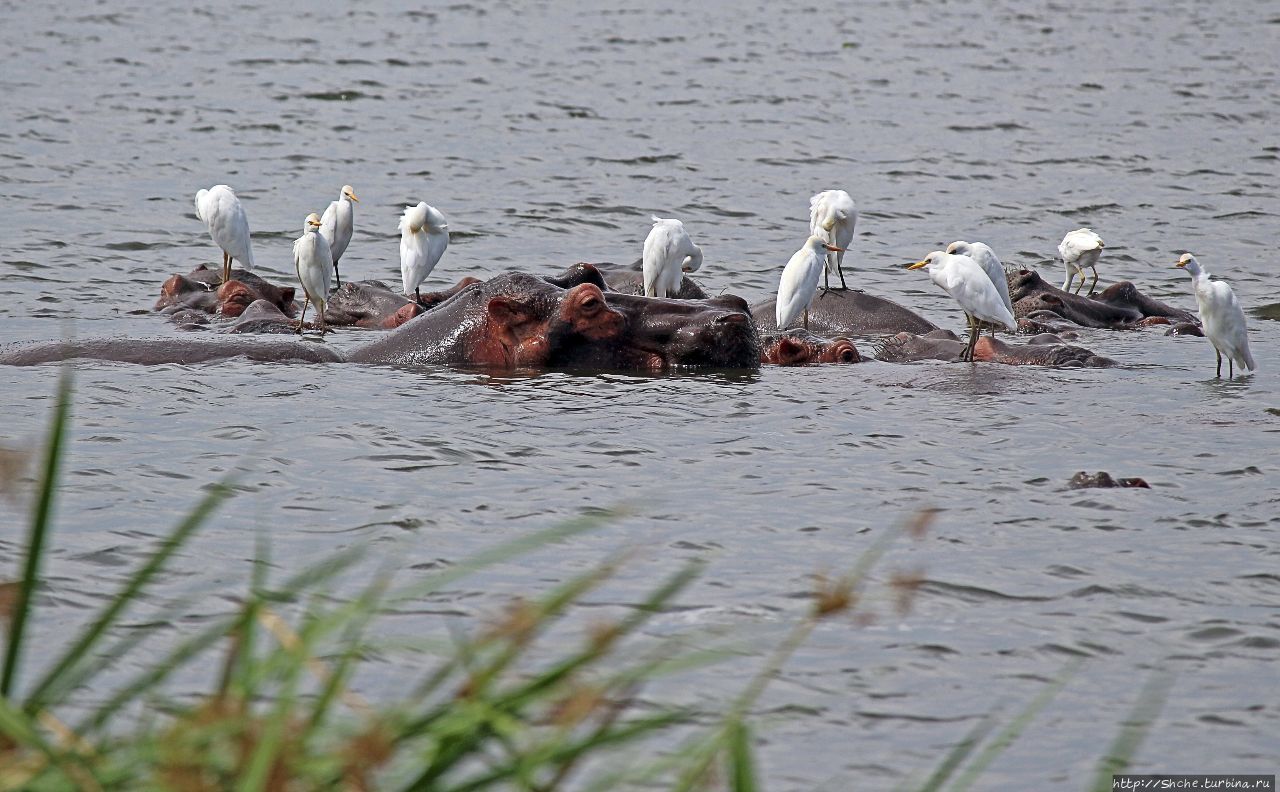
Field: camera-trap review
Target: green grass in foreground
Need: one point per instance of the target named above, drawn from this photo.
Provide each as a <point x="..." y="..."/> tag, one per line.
<point x="495" y="709"/>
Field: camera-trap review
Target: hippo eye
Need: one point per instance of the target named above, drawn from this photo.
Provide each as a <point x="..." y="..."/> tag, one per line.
<point x="591" y="303"/>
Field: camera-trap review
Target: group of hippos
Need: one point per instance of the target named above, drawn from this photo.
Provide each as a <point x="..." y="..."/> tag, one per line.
<point x="597" y="316"/>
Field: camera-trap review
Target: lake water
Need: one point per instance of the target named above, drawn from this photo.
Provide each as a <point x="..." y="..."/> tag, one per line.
<point x="548" y="133"/>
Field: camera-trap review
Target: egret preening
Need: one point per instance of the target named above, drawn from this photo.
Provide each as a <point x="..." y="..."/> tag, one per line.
<point x="832" y="216"/>
<point x="1221" y="316"/>
<point x="424" y="234"/>
<point x="668" y="254"/>
<point x="1079" y="249"/>
<point x="314" y="263"/>
<point x="221" y="211"/>
<point x="337" y="224"/>
<point x="990" y="263"/>
<point x="799" y="281"/>
<point x="968" y="284"/>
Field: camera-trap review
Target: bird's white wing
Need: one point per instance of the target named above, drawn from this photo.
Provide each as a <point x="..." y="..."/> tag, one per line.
<point x="329" y="222"/>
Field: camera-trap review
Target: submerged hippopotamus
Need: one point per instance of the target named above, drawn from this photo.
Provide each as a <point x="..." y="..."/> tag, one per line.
<point x="1119" y="306"/>
<point x="629" y="279"/>
<point x="203" y="289"/>
<point x="801" y="348"/>
<point x="847" y="312"/>
<point x="1042" y="350"/>
<point x="509" y="321"/>
<point x="367" y="304"/>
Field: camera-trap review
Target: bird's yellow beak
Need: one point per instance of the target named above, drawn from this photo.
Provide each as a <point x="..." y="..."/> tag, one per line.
<point x="918" y="264"/>
<point x="835" y="249"/>
<point x="830" y="224"/>
<point x="1180" y="265"/>
<point x="313" y="223"/>
<point x="352" y="195"/>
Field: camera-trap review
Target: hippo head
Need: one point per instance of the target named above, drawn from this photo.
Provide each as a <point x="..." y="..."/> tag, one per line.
<point x="800" y="348"/>
<point x="717" y="332"/>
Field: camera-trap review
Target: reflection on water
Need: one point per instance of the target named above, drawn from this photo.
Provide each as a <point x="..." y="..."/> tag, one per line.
<point x="548" y="133"/>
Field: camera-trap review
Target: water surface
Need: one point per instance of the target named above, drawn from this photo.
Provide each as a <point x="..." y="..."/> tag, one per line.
<point x="548" y="133"/>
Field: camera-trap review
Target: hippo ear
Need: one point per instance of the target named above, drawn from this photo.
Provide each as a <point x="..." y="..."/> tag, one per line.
<point x="508" y="312"/>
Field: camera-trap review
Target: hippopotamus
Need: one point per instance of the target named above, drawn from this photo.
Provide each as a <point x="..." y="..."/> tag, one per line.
<point x="854" y="313"/>
<point x="1119" y="306"/>
<point x="368" y="304"/>
<point x="1041" y="350"/>
<point x="800" y="348"/>
<point x="512" y="320"/>
<point x="1103" y="480"/>
<point x="522" y="320"/>
<point x="629" y="279"/>
<point x="203" y="289"/>
<point x="373" y="304"/>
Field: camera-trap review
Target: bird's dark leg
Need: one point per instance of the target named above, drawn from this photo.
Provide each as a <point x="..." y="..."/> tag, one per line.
<point x="324" y="327"/>
<point x="1231" y="369"/>
<point x="226" y="266"/>
<point x="826" y="279"/>
<point x="1219" y="354"/>
<point x="305" y="301"/>
<point x="336" y="275"/>
<point x="806" y="318"/>
<point x="840" y="272"/>
<point x="417" y="295"/>
<point x="1095" y="280"/>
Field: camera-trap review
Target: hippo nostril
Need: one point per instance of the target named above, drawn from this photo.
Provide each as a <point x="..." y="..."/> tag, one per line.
<point x="846" y="356"/>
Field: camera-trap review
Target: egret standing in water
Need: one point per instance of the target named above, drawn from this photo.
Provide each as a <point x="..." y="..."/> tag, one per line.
<point x="1221" y="316"/>
<point x="424" y="234"/>
<point x="832" y="216"/>
<point x="799" y="282"/>
<point x="968" y="284"/>
<point x="990" y="263"/>
<point x="221" y="211"/>
<point x="1080" y="248"/>
<point x="668" y="254"/>
<point x="337" y="225"/>
<point x="314" y="263"/>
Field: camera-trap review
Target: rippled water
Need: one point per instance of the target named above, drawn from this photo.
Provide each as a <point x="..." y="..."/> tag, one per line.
<point x="547" y="133"/>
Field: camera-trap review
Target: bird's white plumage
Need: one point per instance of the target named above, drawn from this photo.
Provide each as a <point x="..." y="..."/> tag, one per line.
<point x="990" y="263"/>
<point x="799" y="281"/>
<point x="1221" y="316"/>
<point x="833" y="217"/>
<point x="424" y="235"/>
<point x="668" y="254"/>
<point x="967" y="283"/>
<point x="338" y="223"/>
<point x="313" y="261"/>
<point x="221" y="211"/>
<point x="1080" y="250"/>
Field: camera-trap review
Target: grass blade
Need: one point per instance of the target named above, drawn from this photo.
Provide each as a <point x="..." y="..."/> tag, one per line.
<point x="1134" y="730"/>
<point x="1016" y="726"/>
<point x="742" y="771"/>
<point x="35" y="539"/>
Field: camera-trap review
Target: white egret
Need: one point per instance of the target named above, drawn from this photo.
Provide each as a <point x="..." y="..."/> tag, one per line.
<point x="337" y="224"/>
<point x="1079" y="249"/>
<point x="990" y="263"/>
<point x="1221" y="316"/>
<point x="668" y="254"/>
<point x="799" y="281"/>
<point x="424" y="234"/>
<point x="314" y="263"/>
<point x="221" y="211"/>
<point x="968" y="284"/>
<point x="832" y="216"/>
